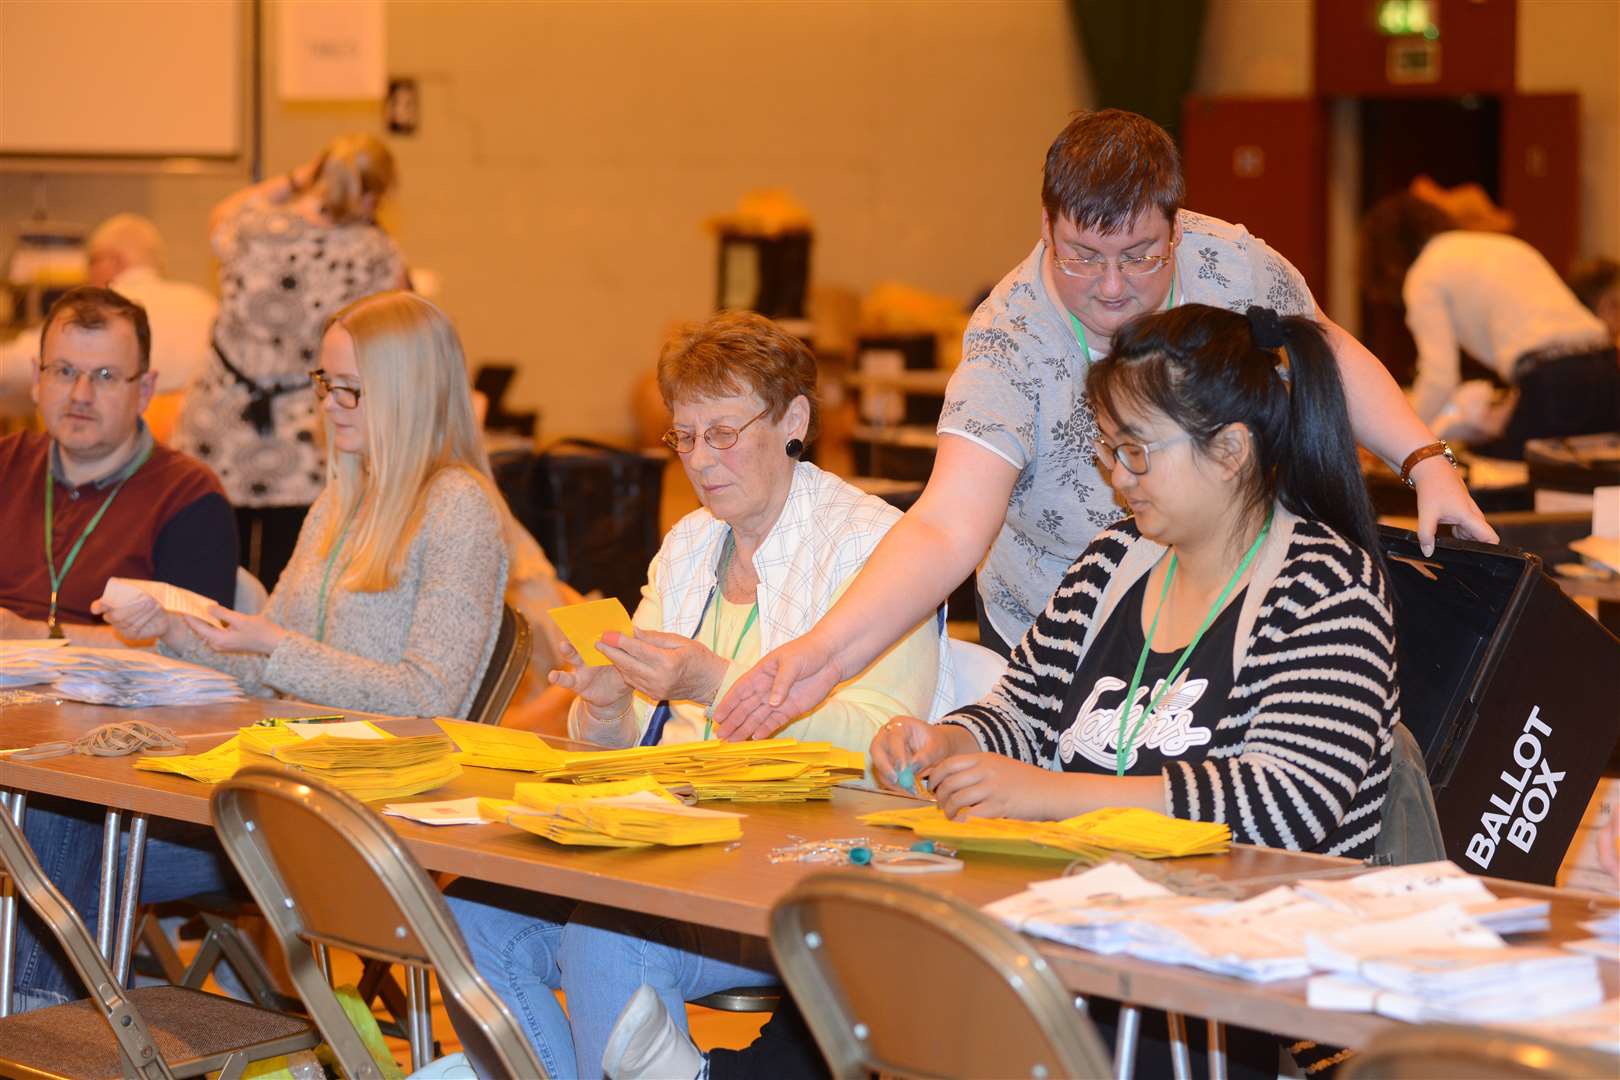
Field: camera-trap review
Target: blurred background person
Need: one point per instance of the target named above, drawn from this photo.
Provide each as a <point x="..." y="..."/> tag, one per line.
<point x="126" y="255"/>
<point x="1496" y="298"/>
<point x="292" y="250"/>
<point x="1596" y="283"/>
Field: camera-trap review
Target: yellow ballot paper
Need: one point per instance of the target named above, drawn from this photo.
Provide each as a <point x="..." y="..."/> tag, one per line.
<point x="584" y="624"/>
<point x="1087" y="837"/>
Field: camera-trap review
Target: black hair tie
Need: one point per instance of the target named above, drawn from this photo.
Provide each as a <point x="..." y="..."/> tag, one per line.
<point x="1266" y="328"/>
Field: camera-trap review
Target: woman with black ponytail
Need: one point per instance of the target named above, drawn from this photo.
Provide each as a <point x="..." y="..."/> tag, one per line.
<point x="1227" y="652"/>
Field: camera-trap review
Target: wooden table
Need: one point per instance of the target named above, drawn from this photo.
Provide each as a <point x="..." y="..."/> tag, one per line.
<point x="25" y="726"/>
<point x="733" y="886"/>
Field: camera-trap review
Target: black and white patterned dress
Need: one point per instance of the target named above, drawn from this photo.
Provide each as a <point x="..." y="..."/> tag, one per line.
<point x="281" y="276"/>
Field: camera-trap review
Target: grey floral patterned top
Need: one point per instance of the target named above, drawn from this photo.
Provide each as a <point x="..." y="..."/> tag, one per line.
<point x="1020" y="393"/>
<point x="251" y="413"/>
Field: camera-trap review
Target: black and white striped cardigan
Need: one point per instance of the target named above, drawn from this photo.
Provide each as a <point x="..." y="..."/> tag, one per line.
<point x="1301" y="759"/>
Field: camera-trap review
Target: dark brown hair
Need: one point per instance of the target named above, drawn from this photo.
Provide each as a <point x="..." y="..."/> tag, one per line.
<point x="1392" y="237"/>
<point x="1107" y="167"/>
<point x="90" y="308"/>
<point x="1590" y="279"/>
<point x="735" y="352"/>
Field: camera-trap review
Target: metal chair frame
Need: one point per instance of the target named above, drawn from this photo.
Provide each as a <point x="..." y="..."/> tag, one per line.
<point x="514" y="642"/>
<point x="1450" y="1050"/>
<point x="137" y="1048"/>
<point x="1071" y="1044"/>
<point x="413" y="927"/>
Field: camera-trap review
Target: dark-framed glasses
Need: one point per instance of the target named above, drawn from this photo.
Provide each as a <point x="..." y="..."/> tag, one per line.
<point x="1094" y="266"/>
<point x="719" y="436"/>
<point x="1134" y="456"/>
<point x="347" y="397"/>
<point x="67" y="376"/>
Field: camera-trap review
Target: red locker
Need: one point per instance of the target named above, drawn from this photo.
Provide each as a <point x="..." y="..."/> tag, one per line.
<point x="1472" y="50"/>
<point x="1261" y="162"/>
<point x="1540" y="171"/>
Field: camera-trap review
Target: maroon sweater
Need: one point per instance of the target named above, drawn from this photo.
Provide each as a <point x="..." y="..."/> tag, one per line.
<point x="169" y="523"/>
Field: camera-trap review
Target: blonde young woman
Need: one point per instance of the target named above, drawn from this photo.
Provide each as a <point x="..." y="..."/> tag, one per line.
<point x="390" y="604"/>
<point x="292" y="250"/>
<point x="393" y="595"/>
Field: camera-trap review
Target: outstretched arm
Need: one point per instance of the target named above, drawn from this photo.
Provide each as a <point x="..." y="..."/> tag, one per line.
<point x="928" y="552"/>
<point x="1385" y="424"/>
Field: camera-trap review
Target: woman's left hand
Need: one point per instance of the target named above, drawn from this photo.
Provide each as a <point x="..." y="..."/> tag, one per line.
<point x="991" y="785"/>
<point x="242" y="633"/>
<point x="665" y="667"/>
<point x="1443" y="499"/>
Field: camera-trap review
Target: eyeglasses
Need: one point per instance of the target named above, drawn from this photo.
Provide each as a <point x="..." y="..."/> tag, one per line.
<point x="67" y="376"/>
<point x="1094" y="266"/>
<point x="719" y="437"/>
<point x="1134" y="456"/>
<point x="347" y="397"/>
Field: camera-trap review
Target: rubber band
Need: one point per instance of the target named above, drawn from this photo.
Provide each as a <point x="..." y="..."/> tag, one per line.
<point x="109" y="740"/>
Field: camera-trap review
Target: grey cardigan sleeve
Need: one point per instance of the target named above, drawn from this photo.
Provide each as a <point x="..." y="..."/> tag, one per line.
<point x="458" y="564"/>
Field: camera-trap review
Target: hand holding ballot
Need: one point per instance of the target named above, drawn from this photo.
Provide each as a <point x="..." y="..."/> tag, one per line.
<point x="611" y="657"/>
<point x="147" y="610"/>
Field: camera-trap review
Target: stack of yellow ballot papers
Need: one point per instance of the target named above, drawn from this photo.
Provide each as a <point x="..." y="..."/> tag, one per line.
<point x="769" y="770"/>
<point x="1090" y="836"/>
<point x="619" y="813"/>
<point x="357" y="757"/>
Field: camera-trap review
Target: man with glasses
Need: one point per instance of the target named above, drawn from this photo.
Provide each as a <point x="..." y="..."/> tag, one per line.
<point x="111" y="501"/>
<point x="1016" y="473"/>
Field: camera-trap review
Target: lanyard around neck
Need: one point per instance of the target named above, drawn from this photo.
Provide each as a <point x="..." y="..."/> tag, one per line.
<point x="53" y="627"/>
<point x="326" y="575"/>
<point x="1124" y="745"/>
<point x="714" y="625"/>
<point x="1080" y="327"/>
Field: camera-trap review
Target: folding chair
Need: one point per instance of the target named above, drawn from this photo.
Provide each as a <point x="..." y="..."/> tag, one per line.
<point x="979" y="1000"/>
<point x="1448" y="1052"/>
<point x="222" y="941"/>
<point x="149" y="1032"/>
<point x="514" y="641"/>
<point x="327" y="872"/>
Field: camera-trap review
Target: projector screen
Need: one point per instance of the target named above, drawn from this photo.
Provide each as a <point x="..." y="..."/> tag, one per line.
<point x="123" y="78"/>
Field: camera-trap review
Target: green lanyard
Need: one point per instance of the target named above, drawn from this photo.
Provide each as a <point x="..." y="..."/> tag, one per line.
<point x="326" y="576"/>
<point x="1080" y="328"/>
<point x="1122" y="745"/>
<point x="51" y="624"/>
<point x="714" y="628"/>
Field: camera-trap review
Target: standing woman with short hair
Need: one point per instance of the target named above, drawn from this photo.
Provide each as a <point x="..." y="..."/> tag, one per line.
<point x="292" y="251"/>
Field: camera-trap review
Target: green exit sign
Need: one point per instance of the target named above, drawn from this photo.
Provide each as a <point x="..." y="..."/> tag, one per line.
<point x="1407" y="18"/>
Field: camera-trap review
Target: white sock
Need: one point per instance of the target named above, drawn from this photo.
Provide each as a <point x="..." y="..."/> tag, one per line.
<point x="645" y="1044"/>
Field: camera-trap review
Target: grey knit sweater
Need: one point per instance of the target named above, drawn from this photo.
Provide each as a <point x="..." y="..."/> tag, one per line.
<point x="418" y="649"/>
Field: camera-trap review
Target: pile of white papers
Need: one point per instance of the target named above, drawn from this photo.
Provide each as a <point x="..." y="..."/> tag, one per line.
<point x="1413" y="942"/>
<point x="30" y="662"/>
<point x="120" y="592"/>
<point x="137" y="679"/>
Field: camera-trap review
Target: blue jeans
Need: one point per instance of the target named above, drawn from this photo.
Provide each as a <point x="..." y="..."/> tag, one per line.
<point x="527" y="946"/>
<point x="181" y="860"/>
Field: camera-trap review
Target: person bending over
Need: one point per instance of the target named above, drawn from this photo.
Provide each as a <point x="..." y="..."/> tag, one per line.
<point x="773" y="546"/>
<point x="1013" y="492"/>
<point x="391" y="602"/>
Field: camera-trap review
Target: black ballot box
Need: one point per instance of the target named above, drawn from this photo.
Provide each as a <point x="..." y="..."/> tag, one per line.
<point x="1513" y="694"/>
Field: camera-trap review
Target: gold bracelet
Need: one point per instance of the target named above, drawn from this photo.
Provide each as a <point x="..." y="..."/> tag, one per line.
<point x="1422" y="454"/>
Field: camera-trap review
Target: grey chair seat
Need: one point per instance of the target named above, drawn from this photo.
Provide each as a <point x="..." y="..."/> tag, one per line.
<point x="197" y="1033"/>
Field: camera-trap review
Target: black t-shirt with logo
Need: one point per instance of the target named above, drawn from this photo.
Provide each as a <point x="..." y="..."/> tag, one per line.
<point x="1182" y="724"/>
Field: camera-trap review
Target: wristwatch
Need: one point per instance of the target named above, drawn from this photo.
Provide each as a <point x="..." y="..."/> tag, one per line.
<point x="1422" y="454"/>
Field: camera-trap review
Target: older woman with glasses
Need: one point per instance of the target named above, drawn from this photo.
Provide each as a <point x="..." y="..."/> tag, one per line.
<point x="775" y="544"/>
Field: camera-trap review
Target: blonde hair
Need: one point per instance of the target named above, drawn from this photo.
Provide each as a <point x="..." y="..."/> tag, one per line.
<point x="353" y="168"/>
<point x="419" y="422"/>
